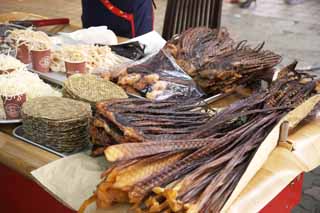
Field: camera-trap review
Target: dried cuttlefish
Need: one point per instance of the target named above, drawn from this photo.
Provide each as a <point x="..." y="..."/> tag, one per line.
<point x="219" y="64"/>
<point x="199" y="172"/>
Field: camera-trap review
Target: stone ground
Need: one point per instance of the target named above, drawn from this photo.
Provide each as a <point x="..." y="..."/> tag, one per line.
<point x="293" y="31"/>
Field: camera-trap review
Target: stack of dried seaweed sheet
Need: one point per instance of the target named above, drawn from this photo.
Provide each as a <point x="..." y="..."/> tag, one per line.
<point x="2" y="112"/>
<point x="139" y="120"/>
<point x="217" y="63"/>
<point x="90" y="88"/>
<point x="199" y="172"/>
<point x="58" y="123"/>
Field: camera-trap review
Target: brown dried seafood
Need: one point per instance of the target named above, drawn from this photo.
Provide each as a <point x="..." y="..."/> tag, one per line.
<point x="158" y="78"/>
<point x="199" y="172"/>
<point x="140" y="120"/>
<point x="217" y="63"/>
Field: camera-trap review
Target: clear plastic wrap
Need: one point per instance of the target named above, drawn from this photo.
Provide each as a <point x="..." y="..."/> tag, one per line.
<point x="158" y="78"/>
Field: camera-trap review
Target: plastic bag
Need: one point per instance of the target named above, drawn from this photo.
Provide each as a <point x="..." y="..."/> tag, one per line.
<point x="133" y="50"/>
<point x="159" y="78"/>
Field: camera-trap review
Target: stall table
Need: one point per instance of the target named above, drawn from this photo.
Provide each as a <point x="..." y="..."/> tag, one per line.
<point x="21" y="193"/>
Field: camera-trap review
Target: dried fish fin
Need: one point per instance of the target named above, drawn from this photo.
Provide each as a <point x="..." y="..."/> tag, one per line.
<point x="136" y="173"/>
<point x="114" y="189"/>
<point x="134" y="150"/>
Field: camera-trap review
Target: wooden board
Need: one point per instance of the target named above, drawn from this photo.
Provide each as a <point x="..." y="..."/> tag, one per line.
<point x="20" y="156"/>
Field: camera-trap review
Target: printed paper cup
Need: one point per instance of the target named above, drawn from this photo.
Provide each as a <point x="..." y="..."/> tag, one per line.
<point x="41" y="60"/>
<point x="75" y="67"/>
<point x="23" y="54"/>
<point x="12" y="105"/>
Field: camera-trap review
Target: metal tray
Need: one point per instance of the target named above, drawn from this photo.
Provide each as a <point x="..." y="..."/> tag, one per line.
<point x="19" y="133"/>
<point x="53" y="77"/>
<point x="13" y="121"/>
<point x="146" y="39"/>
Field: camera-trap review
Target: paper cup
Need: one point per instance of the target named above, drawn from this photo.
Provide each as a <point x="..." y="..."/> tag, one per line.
<point x="12" y="105"/>
<point x="75" y="67"/>
<point x="41" y="60"/>
<point x="23" y="53"/>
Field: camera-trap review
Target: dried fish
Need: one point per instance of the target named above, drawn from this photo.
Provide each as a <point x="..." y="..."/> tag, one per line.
<point x="198" y="172"/>
<point x="217" y="63"/>
<point x="141" y="120"/>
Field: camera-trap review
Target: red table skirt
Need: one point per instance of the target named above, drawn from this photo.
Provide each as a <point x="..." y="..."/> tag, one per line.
<point x="287" y="199"/>
<point x="18" y="194"/>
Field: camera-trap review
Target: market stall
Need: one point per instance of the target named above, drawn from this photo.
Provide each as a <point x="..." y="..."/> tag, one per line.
<point x="178" y="127"/>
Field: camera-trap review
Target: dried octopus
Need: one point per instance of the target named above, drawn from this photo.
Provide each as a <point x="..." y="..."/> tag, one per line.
<point x="198" y="173"/>
<point x="217" y="63"/>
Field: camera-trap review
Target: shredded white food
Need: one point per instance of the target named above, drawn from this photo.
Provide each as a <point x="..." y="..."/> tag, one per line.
<point x="73" y="54"/>
<point x="10" y="63"/>
<point x="35" y="40"/>
<point x="22" y="81"/>
<point x="95" y="57"/>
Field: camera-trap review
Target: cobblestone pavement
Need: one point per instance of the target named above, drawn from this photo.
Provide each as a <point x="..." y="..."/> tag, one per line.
<point x="293" y="31"/>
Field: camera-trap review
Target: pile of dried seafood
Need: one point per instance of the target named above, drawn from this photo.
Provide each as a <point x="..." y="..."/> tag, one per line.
<point x="139" y="120"/>
<point x="158" y="78"/>
<point x="216" y="62"/>
<point x="199" y="171"/>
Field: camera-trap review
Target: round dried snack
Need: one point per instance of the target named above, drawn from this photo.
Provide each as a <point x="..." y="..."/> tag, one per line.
<point x="55" y="109"/>
<point x="61" y="124"/>
<point x="92" y="89"/>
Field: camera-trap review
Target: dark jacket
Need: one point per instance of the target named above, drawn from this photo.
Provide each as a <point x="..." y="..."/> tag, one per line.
<point x="96" y="13"/>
